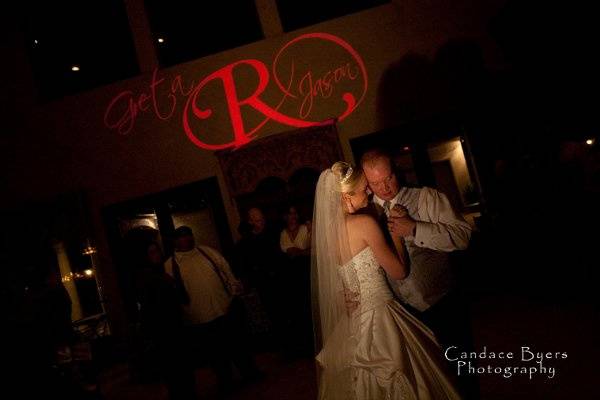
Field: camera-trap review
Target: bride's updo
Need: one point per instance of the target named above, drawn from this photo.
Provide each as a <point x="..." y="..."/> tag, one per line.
<point x="347" y="176"/>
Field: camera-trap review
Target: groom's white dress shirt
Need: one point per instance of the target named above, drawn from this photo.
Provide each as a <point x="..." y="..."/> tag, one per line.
<point x="439" y="230"/>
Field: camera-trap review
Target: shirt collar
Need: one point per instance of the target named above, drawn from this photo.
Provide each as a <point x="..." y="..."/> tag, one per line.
<point x="380" y="202"/>
<point x="181" y="254"/>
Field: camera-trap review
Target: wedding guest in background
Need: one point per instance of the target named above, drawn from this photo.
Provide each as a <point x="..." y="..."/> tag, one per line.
<point x="161" y="317"/>
<point x="47" y="339"/>
<point x="295" y="243"/>
<point x="295" y="237"/>
<point x="208" y="290"/>
<point x="260" y="261"/>
<point x="256" y="317"/>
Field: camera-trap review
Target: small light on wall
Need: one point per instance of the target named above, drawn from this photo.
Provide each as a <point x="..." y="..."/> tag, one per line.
<point x="75" y="68"/>
<point x="161" y="40"/>
<point x="88" y="251"/>
<point x="35" y="41"/>
<point x="88" y="272"/>
<point x="406" y="148"/>
<point x="589" y="142"/>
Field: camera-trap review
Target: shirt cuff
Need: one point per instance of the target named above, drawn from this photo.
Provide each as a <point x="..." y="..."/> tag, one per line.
<point x="421" y="229"/>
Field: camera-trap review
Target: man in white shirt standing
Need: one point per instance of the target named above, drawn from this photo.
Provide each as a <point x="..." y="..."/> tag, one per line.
<point x="431" y="230"/>
<point x="207" y="288"/>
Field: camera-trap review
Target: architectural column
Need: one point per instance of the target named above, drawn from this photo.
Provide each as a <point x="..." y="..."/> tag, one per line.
<point x="142" y="35"/>
<point x="269" y="17"/>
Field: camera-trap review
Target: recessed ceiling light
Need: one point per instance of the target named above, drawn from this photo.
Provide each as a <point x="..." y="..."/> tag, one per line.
<point x="589" y="142"/>
<point x="75" y="68"/>
<point x="161" y="40"/>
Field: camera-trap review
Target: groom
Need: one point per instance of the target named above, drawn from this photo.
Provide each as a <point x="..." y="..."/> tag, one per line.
<point x="431" y="230"/>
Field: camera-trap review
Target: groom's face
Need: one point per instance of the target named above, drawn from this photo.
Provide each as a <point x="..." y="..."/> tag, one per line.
<point x="381" y="178"/>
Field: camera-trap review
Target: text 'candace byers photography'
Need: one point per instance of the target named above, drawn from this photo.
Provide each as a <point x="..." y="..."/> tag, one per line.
<point x="525" y="362"/>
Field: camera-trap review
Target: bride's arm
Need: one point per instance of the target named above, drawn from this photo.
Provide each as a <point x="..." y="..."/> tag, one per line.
<point x="400" y="249"/>
<point x="386" y="257"/>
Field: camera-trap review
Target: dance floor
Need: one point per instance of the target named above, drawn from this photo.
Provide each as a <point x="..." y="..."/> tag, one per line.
<point x="501" y="323"/>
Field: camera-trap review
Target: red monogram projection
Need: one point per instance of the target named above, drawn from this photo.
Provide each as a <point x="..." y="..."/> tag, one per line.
<point x="123" y="109"/>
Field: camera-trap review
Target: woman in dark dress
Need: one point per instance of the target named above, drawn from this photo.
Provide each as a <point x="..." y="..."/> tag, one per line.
<point x="161" y="320"/>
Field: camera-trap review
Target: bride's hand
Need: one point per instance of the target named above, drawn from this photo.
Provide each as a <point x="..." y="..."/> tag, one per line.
<point x="349" y="205"/>
<point x="399" y="211"/>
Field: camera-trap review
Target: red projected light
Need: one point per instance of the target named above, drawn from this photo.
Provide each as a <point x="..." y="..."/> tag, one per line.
<point x="123" y="110"/>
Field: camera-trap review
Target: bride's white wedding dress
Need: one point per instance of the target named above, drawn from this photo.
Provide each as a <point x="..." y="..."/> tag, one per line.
<point x="393" y="355"/>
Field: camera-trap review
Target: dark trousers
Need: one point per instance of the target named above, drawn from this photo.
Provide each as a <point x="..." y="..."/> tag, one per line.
<point x="224" y="341"/>
<point x="295" y="301"/>
<point x="176" y="367"/>
<point x="450" y="321"/>
<point x="272" y="297"/>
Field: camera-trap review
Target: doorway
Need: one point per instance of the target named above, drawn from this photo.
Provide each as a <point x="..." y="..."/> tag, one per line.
<point x="133" y="224"/>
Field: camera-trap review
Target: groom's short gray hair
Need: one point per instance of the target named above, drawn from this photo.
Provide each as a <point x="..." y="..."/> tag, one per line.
<point x="371" y="157"/>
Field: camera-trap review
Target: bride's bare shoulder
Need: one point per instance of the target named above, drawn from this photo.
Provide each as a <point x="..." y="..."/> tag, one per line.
<point x="361" y="221"/>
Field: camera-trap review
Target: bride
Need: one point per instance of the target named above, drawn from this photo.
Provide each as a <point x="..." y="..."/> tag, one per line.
<point x="370" y="346"/>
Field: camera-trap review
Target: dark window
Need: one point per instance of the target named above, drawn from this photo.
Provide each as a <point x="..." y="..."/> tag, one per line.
<point x="184" y="30"/>
<point x="299" y="14"/>
<point x="79" y="45"/>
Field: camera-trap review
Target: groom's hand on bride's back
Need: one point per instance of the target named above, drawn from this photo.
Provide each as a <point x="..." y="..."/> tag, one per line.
<point x="351" y="301"/>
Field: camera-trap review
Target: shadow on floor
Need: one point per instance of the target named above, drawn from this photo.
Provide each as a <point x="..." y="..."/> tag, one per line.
<point x="285" y="379"/>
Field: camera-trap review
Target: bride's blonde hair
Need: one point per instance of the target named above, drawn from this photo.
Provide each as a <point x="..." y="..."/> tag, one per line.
<point x="347" y="176"/>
